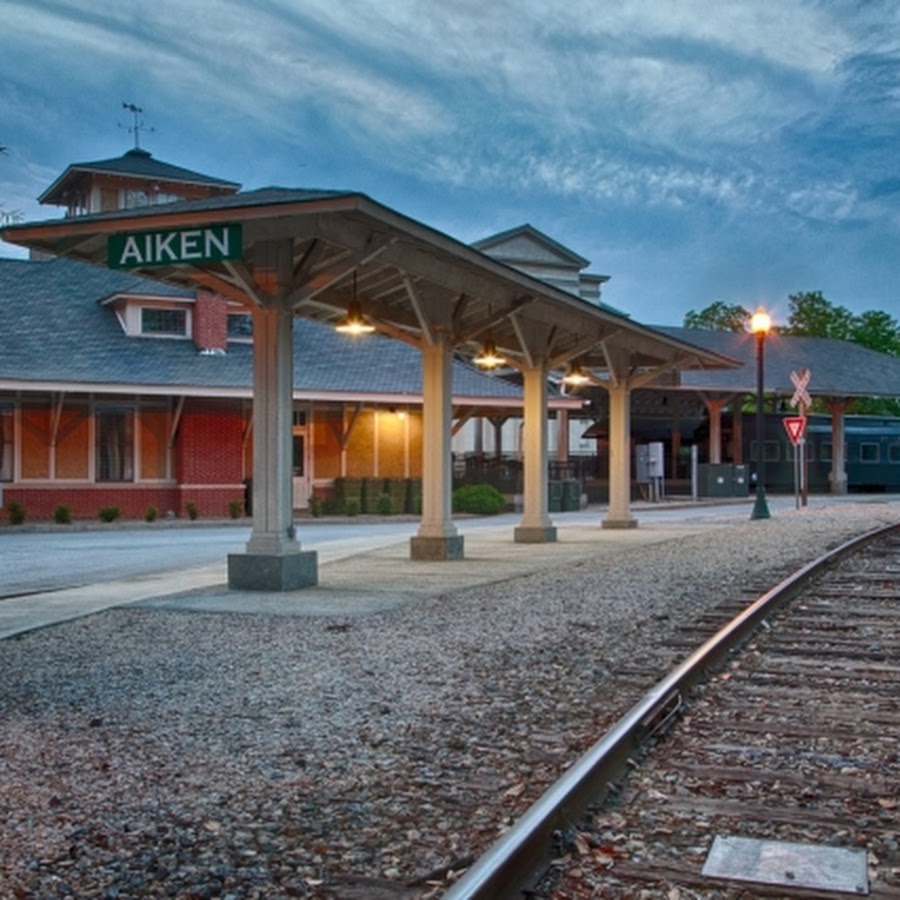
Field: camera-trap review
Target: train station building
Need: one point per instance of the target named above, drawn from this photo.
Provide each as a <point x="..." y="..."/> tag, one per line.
<point x="182" y="341"/>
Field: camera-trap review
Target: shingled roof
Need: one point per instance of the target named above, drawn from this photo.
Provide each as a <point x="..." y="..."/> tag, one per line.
<point x="55" y="328"/>
<point x="838" y="368"/>
<point x="138" y="163"/>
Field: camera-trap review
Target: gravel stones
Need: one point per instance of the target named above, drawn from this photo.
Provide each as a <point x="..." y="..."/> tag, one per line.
<point x="154" y="753"/>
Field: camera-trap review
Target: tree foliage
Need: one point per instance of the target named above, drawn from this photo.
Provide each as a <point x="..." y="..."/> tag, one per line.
<point x="718" y="316"/>
<point x="811" y="315"/>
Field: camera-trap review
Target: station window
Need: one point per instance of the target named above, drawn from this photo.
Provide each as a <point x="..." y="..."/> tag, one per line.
<point x="156" y="320"/>
<point x="6" y="443"/>
<point x="869" y="452"/>
<point x="240" y="325"/>
<point x="115" y="444"/>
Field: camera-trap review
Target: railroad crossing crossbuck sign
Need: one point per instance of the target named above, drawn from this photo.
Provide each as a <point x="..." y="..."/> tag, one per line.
<point x="795" y="426"/>
<point x="801" y="395"/>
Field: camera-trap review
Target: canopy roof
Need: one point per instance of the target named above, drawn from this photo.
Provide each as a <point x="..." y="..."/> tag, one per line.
<point x="837" y="368"/>
<point x="315" y="251"/>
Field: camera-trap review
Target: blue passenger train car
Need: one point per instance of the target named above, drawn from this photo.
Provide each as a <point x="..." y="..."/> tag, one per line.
<point x="871" y="454"/>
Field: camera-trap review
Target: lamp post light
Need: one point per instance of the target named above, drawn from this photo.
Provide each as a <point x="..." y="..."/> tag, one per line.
<point x="760" y="324"/>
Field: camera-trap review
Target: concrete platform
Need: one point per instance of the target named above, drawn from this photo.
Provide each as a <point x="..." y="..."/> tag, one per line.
<point x="369" y="573"/>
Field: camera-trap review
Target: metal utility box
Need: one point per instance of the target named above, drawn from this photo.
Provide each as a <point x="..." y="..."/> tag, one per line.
<point x="715" y="480"/>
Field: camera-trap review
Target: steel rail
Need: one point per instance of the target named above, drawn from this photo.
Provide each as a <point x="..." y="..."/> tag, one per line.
<point x="523" y="853"/>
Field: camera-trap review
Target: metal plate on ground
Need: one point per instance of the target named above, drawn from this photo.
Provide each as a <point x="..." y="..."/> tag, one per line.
<point x="788" y="865"/>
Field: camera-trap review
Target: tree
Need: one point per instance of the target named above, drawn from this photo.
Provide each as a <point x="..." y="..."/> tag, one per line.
<point x="878" y="331"/>
<point x="814" y="316"/>
<point x="718" y="316"/>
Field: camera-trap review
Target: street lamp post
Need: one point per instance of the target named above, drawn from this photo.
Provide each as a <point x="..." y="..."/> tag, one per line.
<point x="760" y="324"/>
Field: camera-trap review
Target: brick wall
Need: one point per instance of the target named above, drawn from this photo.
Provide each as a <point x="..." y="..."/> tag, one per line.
<point x="208" y="456"/>
<point x="210" y="322"/>
<point x="86" y="501"/>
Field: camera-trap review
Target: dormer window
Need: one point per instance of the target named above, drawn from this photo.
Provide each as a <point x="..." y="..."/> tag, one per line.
<point x="240" y="326"/>
<point x="163" y="322"/>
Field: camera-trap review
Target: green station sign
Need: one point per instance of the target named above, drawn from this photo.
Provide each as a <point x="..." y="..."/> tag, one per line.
<point x="201" y="244"/>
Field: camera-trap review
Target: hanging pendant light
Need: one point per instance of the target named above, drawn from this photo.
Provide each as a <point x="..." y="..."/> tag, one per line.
<point x="354" y="322"/>
<point x="576" y="376"/>
<point x="489" y="357"/>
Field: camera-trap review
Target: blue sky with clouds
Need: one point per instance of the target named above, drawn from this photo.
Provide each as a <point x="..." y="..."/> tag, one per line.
<point x="693" y="150"/>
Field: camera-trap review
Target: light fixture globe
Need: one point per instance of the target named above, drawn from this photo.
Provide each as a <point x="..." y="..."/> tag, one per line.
<point x="489" y="357"/>
<point x="354" y="322"/>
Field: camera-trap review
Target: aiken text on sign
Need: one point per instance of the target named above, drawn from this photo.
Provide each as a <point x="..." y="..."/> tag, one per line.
<point x="209" y="243"/>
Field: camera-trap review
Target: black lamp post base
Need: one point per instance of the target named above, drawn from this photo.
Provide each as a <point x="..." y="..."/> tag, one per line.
<point x="760" y="507"/>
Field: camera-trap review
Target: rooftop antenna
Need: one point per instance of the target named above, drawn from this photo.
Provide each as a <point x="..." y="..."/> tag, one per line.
<point x="138" y="123"/>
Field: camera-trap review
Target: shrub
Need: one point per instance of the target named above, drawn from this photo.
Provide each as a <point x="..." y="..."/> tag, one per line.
<point x="316" y="505"/>
<point x="110" y="513"/>
<point x="62" y="515"/>
<point x="385" y="505"/>
<point x="351" y="507"/>
<point x="151" y="513"/>
<point x="191" y="508"/>
<point x="16" y="512"/>
<point x="479" y="499"/>
<point x="235" y="508"/>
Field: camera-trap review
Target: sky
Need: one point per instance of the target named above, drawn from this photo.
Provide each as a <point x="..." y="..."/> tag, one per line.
<point x="693" y="150"/>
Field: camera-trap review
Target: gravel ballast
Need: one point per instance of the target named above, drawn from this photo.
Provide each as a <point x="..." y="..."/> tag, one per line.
<point x="163" y="753"/>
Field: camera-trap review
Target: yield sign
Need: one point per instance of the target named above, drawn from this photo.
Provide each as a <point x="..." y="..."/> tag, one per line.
<point x="795" y="426"/>
<point x="801" y="395"/>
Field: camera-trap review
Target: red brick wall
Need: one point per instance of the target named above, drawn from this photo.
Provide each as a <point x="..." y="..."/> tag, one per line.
<point x="208" y="456"/>
<point x="210" y="322"/>
<point x="86" y="501"/>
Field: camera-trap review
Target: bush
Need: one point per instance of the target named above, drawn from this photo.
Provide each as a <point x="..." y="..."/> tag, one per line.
<point x="385" y="505"/>
<point x="62" y="515"/>
<point x="316" y="505"/>
<point x="191" y="508"/>
<point x="15" y="512"/>
<point x="235" y="508"/>
<point x="351" y="508"/>
<point x="110" y="513"/>
<point x="151" y="513"/>
<point x="479" y="499"/>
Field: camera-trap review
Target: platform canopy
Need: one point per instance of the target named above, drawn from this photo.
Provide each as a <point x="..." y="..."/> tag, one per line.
<point x="317" y="251"/>
<point x="323" y="254"/>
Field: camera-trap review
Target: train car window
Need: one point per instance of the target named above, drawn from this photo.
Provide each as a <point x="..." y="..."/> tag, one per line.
<point x="825" y="451"/>
<point x="868" y="453"/>
<point x="894" y="453"/>
<point x="772" y="449"/>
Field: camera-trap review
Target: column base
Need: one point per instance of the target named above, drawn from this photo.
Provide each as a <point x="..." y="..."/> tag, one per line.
<point x="436" y="548"/>
<point x="535" y="534"/>
<point x="619" y="523"/>
<point x="272" y="572"/>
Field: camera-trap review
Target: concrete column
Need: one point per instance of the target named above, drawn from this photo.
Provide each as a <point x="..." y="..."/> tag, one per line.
<point x="737" y="433"/>
<point x="535" y="527"/>
<point x="562" y="435"/>
<point x="714" y="407"/>
<point x="619" y="515"/>
<point x="838" y="474"/>
<point x="273" y="560"/>
<point x="437" y="537"/>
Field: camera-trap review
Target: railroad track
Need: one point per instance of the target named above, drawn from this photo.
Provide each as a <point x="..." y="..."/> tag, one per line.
<point x="766" y="764"/>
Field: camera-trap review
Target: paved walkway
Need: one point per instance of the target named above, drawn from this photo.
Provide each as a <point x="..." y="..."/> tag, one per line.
<point x="369" y="573"/>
